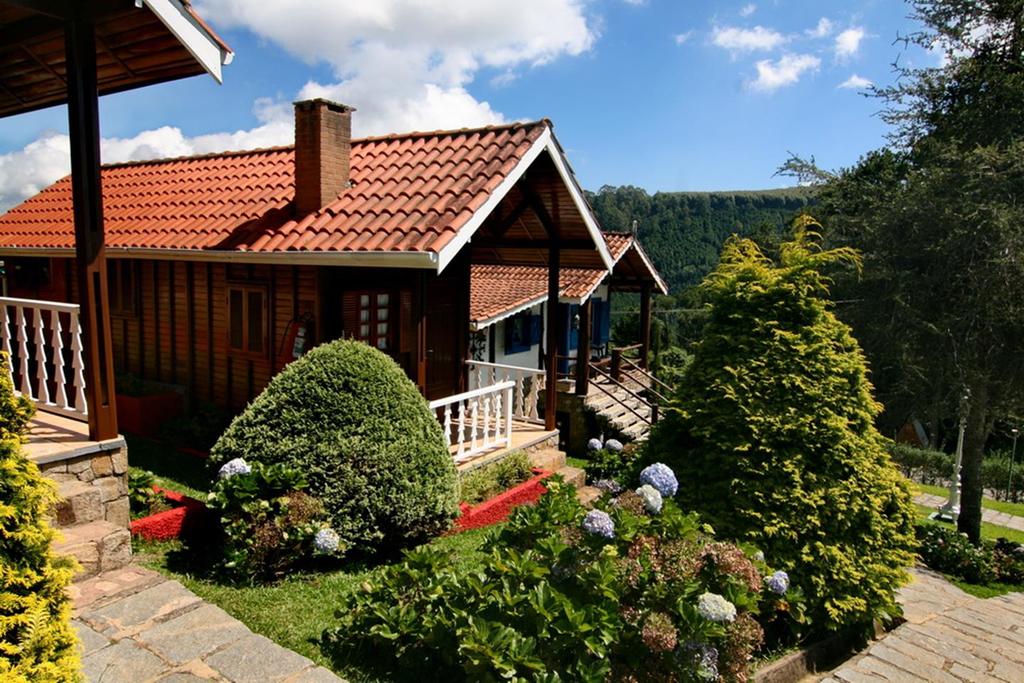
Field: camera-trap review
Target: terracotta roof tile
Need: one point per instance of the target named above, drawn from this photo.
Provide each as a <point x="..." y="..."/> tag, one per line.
<point x="496" y="291"/>
<point x="410" y="192"/>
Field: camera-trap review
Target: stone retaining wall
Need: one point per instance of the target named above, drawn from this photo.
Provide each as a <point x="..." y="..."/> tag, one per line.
<point x="105" y="471"/>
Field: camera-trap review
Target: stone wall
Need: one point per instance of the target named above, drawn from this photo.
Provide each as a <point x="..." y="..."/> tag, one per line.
<point x="101" y="492"/>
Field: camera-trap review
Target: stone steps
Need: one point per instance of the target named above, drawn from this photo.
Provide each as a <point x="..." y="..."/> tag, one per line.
<point x="549" y="459"/>
<point x="622" y="411"/>
<point x="97" y="546"/>
<point x="80" y="503"/>
<point x="588" y="494"/>
<point x="573" y="475"/>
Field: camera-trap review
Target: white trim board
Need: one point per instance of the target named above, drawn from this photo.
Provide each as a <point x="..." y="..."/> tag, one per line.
<point x="210" y="55"/>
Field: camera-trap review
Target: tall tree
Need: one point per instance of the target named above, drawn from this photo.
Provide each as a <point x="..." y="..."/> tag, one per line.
<point x="939" y="221"/>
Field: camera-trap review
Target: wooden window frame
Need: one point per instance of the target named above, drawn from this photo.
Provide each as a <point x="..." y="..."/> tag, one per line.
<point x="247" y="288"/>
<point x="374" y="336"/>
<point x="117" y="270"/>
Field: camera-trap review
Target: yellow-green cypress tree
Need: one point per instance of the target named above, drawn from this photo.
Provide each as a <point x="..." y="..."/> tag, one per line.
<point x="773" y="439"/>
<point x="37" y="643"/>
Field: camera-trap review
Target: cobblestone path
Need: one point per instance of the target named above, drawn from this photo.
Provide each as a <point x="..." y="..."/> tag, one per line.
<point x="949" y="636"/>
<point x="137" y="626"/>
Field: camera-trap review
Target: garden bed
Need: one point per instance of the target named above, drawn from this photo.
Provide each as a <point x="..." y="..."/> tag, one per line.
<point x="185" y="514"/>
<point x="498" y="508"/>
<point x="145" y="414"/>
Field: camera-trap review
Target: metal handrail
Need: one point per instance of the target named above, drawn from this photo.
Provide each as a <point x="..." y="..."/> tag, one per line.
<point x="650" y="376"/>
<point x="648" y="420"/>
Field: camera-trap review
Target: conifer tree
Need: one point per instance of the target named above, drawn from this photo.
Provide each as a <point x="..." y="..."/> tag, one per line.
<point x="772" y="433"/>
<point x="37" y="643"/>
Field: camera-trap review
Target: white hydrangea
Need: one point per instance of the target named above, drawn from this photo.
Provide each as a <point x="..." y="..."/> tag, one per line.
<point x="233" y="467"/>
<point x="327" y="541"/>
<point x="652" y="498"/>
<point x="714" y="607"/>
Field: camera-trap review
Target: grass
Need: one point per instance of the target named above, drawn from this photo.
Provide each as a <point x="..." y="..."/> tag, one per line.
<point x="581" y="463"/>
<point x="481" y="484"/>
<point x="295" y="612"/>
<point x="986" y="502"/>
<point x="988" y="531"/>
<point x="173" y="470"/>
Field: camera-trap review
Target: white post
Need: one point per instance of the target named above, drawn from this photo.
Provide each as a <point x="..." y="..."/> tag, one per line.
<point x="508" y="418"/>
<point x="26" y="387"/>
<point x="42" y="388"/>
<point x="61" y="399"/>
<point x="950" y="511"/>
<point x="5" y="336"/>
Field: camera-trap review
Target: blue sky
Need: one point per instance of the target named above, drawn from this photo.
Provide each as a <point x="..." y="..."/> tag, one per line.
<point x="662" y="94"/>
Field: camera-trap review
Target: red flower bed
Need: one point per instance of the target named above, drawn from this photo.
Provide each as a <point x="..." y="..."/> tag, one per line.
<point x="498" y="508"/>
<point x="187" y="513"/>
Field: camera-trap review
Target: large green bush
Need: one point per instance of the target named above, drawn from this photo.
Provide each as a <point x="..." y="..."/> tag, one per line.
<point x="772" y="434"/>
<point x="37" y="643"/>
<point x="621" y="593"/>
<point x="347" y="418"/>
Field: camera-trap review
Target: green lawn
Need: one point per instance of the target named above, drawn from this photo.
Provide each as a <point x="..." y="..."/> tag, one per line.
<point x="174" y="470"/>
<point x="296" y="611"/>
<point x="986" y="502"/>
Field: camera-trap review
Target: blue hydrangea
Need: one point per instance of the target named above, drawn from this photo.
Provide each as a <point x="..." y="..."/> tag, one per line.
<point x="714" y="607"/>
<point x="613" y="445"/>
<point x="233" y="467"/>
<point x="609" y="486"/>
<point x="778" y="582"/>
<point x="327" y="541"/>
<point x="598" y="522"/>
<point x="594" y="445"/>
<point x="652" y="498"/>
<point x="704" y="658"/>
<point x="661" y="477"/>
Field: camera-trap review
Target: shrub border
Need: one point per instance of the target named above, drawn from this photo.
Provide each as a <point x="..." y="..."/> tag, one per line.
<point x="167" y="525"/>
<point x="499" y="507"/>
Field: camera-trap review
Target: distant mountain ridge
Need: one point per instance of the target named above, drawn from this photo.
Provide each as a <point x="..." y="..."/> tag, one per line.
<point x="683" y="232"/>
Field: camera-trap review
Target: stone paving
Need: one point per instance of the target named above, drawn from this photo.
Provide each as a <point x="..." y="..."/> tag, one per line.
<point x="949" y="636"/>
<point x="137" y="626"/>
<point x="987" y="515"/>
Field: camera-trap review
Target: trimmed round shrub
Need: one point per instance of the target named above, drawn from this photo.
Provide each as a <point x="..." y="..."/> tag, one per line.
<point x="772" y="435"/>
<point x="347" y="418"/>
<point x="37" y="642"/>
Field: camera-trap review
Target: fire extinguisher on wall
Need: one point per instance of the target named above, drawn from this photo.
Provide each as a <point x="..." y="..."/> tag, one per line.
<point x="297" y="340"/>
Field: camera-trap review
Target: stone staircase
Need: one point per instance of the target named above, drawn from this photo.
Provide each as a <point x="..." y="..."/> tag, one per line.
<point x="95" y="542"/>
<point x="554" y="460"/>
<point x="624" y="413"/>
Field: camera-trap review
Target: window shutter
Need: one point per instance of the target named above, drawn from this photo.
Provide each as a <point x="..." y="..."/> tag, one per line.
<point x="536" y="328"/>
<point x="350" y="314"/>
<point x="407" y="329"/>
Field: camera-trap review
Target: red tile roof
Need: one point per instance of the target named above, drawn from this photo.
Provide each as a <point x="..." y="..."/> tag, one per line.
<point x="499" y="291"/>
<point x="410" y="193"/>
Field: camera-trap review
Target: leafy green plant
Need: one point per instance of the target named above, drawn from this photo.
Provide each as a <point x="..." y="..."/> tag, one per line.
<point x="605" y="463"/>
<point x="371" y="450"/>
<point x="37" y="642"/>
<point x="199" y="430"/>
<point x="617" y="593"/>
<point x="142" y="497"/>
<point x="947" y="550"/>
<point x="922" y="464"/>
<point x="270" y="524"/>
<point x="772" y="434"/>
<point x="481" y="484"/>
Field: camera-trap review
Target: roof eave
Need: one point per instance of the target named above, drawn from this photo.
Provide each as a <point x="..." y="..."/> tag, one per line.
<point x="206" y="47"/>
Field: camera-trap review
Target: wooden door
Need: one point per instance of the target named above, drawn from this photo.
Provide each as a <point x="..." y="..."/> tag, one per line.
<point x="444" y="366"/>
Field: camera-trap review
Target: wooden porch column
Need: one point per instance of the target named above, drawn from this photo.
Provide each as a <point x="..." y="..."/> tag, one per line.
<point x="645" y="325"/>
<point x="551" y="388"/>
<point x="86" y="193"/>
<point x="583" y="350"/>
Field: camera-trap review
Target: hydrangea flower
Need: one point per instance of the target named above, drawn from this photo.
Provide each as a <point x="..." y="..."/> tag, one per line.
<point x="594" y="445"/>
<point x="661" y="477"/>
<point x="609" y="486"/>
<point x="705" y="658"/>
<point x="759" y="556"/>
<point x="778" y="582"/>
<point x="613" y="445"/>
<point x="327" y="541"/>
<point x="714" y="607"/>
<point x="652" y="498"/>
<point x="233" y="467"/>
<point x="598" y="522"/>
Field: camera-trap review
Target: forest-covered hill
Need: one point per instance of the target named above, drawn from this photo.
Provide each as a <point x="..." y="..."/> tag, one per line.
<point x="683" y="232"/>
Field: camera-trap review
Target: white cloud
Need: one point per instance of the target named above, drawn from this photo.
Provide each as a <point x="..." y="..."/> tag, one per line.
<point x="406" y="63"/>
<point x="737" y="39"/>
<point x="681" y="38"/>
<point x="772" y="75"/>
<point x="822" y="30"/>
<point x="748" y="9"/>
<point x="25" y="172"/>
<point x="636" y="2"/>
<point x="855" y="82"/>
<point x="848" y="42"/>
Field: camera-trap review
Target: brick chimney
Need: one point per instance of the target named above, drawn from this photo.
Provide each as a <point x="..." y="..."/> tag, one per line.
<point x="323" y="147"/>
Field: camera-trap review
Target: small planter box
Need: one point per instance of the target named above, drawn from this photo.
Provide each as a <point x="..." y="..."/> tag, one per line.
<point x="143" y="415"/>
<point x="187" y="514"/>
<point x="498" y="508"/>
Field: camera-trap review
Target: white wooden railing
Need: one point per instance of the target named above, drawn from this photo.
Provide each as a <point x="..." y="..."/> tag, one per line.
<point x="44" y="343"/>
<point x="476" y="421"/>
<point x="526" y="392"/>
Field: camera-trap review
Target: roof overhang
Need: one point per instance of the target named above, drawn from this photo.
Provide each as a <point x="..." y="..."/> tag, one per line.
<point x="634" y="269"/>
<point x="138" y="43"/>
<point x="476" y="325"/>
